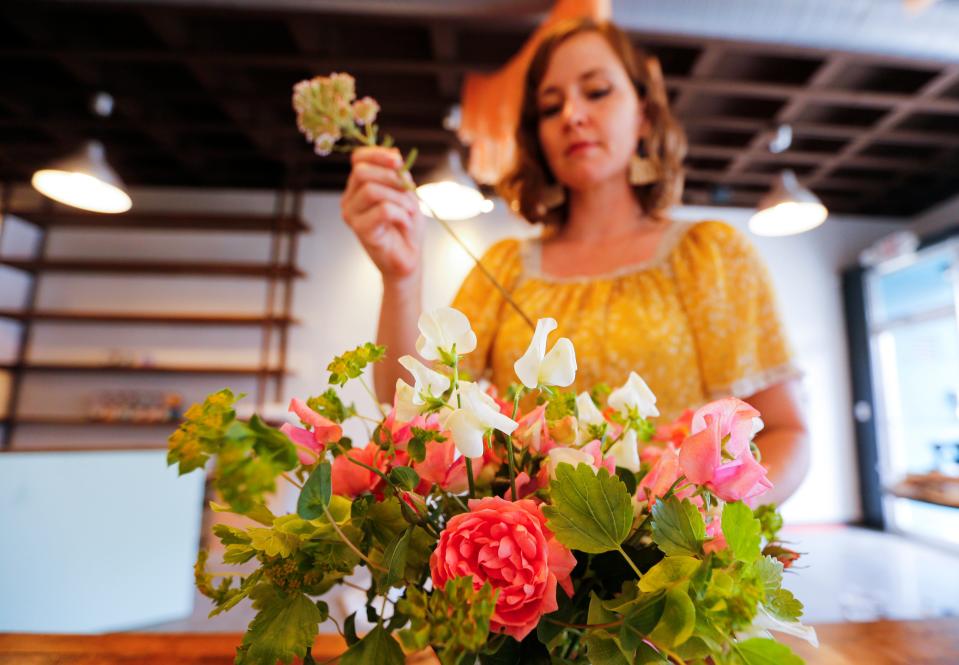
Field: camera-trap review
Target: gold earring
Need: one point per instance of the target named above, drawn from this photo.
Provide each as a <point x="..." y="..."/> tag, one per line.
<point x="642" y="171"/>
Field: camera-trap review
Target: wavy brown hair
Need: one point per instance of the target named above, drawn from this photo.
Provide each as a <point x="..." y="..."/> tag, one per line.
<point x="664" y="142"/>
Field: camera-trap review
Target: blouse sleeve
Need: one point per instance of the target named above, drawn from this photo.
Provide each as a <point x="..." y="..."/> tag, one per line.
<point x="729" y="299"/>
<point x="483" y="303"/>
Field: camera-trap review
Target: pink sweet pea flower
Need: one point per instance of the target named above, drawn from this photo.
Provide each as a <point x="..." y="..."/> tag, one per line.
<point x="717" y="453"/>
<point x="325" y="431"/>
<point x="715" y="540"/>
<point x="443" y="467"/>
<point x="532" y="432"/>
<point x="351" y="479"/>
<point x="508" y="545"/>
<point x="676" y="431"/>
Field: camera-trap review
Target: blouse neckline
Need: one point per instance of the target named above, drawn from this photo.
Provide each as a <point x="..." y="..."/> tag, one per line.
<point x="531" y="257"/>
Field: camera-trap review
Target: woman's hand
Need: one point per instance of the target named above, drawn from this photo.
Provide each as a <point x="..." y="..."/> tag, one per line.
<point x="381" y="208"/>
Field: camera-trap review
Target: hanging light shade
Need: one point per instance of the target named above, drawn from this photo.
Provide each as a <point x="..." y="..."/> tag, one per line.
<point x="84" y="180"/>
<point x="452" y="195"/>
<point x="788" y="208"/>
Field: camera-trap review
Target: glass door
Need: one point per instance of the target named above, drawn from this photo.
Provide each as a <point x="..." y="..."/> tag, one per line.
<point x="914" y="345"/>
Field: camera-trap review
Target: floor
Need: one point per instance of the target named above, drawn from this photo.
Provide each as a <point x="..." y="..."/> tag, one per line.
<point x="845" y="574"/>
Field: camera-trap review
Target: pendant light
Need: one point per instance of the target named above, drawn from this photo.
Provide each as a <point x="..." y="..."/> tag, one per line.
<point x="452" y="195"/>
<point x="788" y="209"/>
<point x="85" y="179"/>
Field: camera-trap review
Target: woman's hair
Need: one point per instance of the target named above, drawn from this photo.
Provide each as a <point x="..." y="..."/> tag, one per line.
<point x="664" y="142"/>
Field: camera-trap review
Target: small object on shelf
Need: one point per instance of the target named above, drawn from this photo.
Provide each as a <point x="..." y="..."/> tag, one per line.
<point x="135" y="406"/>
<point x="935" y="487"/>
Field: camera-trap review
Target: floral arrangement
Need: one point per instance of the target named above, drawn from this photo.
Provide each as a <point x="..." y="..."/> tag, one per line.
<point x="540" y="526"/>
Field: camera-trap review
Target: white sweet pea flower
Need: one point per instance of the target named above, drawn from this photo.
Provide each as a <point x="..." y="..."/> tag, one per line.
<point x="404" y="403"/>
<point x="574" y="456"/>
<point x="537" y="367"/>
<point x="765" y="621"/>
<point x="634" y="394"/>
<point x="427" y="381"/>
<point x="443" y="328"/>
<point x="586" y="411"/>
<point x="477" y="413"/>
<point x="626" y="451"/>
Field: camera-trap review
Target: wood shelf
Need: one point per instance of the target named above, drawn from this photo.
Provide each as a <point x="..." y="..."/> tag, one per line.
<point x="167" y="268"/>
<point x="146" y="318"/>
<point x="163" y="221"/>
<point x="68" y="367"/>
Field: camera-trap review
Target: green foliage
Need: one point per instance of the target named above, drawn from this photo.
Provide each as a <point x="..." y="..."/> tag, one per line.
<point x="678" y="527"/>
<point x="285" y="625"/>
<point x="742" y="531"/>
<point x="352" y="363"/>
<point x="378" y="646"/>
<point x="201" y="433"/>
<point x="560" y="404"/>
<point x="641" y="618"/>
<point x="591" y="511"/>
<point x="249" y="455"/>
<point x="760" y="651"/>
<point x="394" y="558"/>
<point x="604" y="649"/>
<point x="668" y="573"/>
<point x="316" y="493"/>
<point x="417" y="444"/>
<point x="329" y="405"/>
<point x="404" y="477"/>
<point x="454" y="619"/>
<point x="770" y="521"/>
<point x="678" y="620"/>
<point x="783" y="604"/>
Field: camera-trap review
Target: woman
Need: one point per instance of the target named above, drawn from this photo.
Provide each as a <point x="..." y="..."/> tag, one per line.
<point x="687" y="306"/>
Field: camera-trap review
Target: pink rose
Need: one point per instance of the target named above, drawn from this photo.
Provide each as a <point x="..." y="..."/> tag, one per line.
<point x="508" y="545"/>
<point x="351" y="479"/>
<point x="324" y="431"/>
<point x="717" y="454"/>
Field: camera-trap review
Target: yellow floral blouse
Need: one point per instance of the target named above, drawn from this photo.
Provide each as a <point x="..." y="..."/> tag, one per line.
<point x="697" y="321"/>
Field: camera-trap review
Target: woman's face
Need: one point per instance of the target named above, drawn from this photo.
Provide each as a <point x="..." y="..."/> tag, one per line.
<point x="589" y="113"/>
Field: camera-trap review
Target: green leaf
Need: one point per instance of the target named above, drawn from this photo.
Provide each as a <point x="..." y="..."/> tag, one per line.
<point x="603" y="649"/>
<point x="783" y="604"/>
<point x="258" y="512"/>
<point x="404" y="477"/>
<point x="394" y="558"/>
<point x="597" y="614"/>
<point x="274" y="542"/>
<point x="642" y="618"/>
<point x="678" y="620"/>
<point x="329" y="405"/>
<point x="591" y="511"/>
<point x="669" y="572"/>
<point x="762" y="651"/>
<point x="316" y="493"/>
<point x="678" y="527"/>
<point x="378" y="647"/>
<point x="647" y="655"/>
<point x="770" y="573"/>
<point x="285" y="625"/>
<point x="742" y="531"/>
<point x="201" y="433"/>
<point x="352" y="363"/>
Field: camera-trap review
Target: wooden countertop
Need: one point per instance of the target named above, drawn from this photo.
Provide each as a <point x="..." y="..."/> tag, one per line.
<point x="929" y="642"/>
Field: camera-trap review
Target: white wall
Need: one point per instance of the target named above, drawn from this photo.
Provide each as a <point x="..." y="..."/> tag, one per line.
<point x="338" y="305"/>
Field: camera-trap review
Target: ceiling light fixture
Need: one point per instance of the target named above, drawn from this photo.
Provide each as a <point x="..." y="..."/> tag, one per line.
<point x="788" y="209"/>
<point x="452" y="194"/>
<point x="85" y="179"/>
